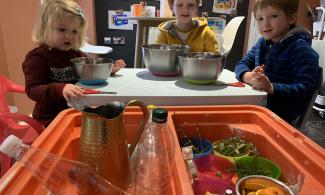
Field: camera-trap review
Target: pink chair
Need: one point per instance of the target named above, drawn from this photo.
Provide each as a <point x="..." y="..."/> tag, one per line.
<point x="9" y="121"/>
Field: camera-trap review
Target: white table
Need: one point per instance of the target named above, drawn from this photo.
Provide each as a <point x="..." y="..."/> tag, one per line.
<point x="140" y="84"/>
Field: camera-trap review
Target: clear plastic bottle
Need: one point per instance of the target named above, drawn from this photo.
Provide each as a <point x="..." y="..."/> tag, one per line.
<point x="57" y="174"/>
<point x="150" y="108"/>
<point x="153" y="160"/>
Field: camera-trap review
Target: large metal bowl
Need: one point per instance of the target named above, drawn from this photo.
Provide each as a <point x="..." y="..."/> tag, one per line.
<point x="162" y="60"/>
<point x="92" y="70"/>
<point x="284" y="187"/>
<point x="201" y="67"/>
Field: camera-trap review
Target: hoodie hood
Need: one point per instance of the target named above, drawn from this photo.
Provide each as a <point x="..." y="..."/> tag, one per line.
<point x="298" y="32"/>
<point x="170" y="28"/>
<point x="169" y="25"/>
<point x="200" y="37"/>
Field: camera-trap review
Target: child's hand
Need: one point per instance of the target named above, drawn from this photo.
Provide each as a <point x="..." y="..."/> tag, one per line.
<point x="258" y="80"/>
<point x="262" y="82"/>
<point x="118" y="64"/>
<point x="250" y="77"/>
<point x="71" y="91"/>
<point x="259" y="69"/>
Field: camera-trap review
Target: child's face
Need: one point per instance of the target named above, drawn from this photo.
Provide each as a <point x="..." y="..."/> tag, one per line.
<point x="65" y="31"/>
<point x="185" y="10"/>
<point x="273" y="23"/>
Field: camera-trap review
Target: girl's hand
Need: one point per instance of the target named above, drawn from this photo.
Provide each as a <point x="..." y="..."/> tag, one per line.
<point x="118" y="64"/>
<point x="71" y="92"/>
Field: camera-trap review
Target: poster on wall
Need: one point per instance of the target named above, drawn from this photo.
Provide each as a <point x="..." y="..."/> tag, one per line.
<point x="116" y="21"/>
<point x="217" y="24"/>
<point x="224" y="6"/>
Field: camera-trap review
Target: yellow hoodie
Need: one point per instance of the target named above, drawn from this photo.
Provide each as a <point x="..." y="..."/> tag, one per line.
<point x="200" y="37"/>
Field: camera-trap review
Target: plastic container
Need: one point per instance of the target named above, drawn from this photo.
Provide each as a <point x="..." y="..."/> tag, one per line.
<point x="296" y="154"/>
<point x="316" y="131"/>
<point x="57" y="174"/>
<point x="62" y="137"/>
<point x="153" y="159"/>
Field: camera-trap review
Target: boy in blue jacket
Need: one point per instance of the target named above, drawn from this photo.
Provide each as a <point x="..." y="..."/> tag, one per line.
<point x="282" y="62"/>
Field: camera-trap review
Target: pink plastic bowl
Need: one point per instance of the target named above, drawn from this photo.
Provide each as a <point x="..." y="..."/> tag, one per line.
<point x="201" y="186"/>
<point x="215" y="167"/>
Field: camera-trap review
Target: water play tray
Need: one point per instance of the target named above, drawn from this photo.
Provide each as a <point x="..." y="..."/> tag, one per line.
<point x="278" y="141"/>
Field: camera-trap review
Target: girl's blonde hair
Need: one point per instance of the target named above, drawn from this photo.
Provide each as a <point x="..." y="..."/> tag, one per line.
<point x="53" y="9"/>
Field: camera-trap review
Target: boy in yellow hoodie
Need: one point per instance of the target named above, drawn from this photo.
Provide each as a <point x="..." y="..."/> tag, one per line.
<point x="187" y="29"/>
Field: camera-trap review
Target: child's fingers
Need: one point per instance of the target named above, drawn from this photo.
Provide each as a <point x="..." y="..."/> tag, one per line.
<point x="259" y="69"/>
<point x="257" y="75"/>
<point x="256" y="69"/>
<point x="73" y="92"/>
<point x="119" y="63"/>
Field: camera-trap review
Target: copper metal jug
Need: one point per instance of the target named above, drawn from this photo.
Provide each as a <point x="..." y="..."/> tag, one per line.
<point x="103" y="143"/>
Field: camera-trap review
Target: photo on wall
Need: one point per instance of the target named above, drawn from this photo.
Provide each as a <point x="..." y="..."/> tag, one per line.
<point x="224" y="6"/>
<point x="116" y="21"/>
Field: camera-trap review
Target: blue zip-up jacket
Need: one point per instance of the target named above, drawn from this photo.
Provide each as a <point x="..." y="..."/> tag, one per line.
<point x="292" y="67"/>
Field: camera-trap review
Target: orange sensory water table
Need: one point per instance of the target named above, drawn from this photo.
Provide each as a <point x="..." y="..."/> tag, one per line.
<point x="275" y="139"/>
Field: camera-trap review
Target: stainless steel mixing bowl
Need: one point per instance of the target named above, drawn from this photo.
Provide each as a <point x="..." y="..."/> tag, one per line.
<point x="92" y="70"/>
<point x="276" y="182"/>
<point x="201" y="67"/>
<point x="162" y="60"/>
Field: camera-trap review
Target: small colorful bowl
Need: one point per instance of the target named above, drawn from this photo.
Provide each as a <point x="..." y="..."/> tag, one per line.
<point x="215" y="168"/>
<point x="201" y="146"/>
<point x="231" y="158"/>
<point x="269" y="168"/>
<point x="202" y="186"/>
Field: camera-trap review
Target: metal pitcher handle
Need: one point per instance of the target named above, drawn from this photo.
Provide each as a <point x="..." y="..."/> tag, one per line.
<point x="142" y="125"/>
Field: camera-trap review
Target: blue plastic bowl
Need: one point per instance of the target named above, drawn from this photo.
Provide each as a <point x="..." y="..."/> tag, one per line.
<point x="201" y="146"/>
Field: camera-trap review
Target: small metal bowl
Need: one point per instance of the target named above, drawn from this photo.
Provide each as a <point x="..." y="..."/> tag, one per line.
<point x="201" y="67"/>
<point x="92" y="70"/>
<point x="283" y="186"/>
<point x="161" y="59"/>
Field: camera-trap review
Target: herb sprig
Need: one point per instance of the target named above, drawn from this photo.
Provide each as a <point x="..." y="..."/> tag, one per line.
<point x="234" y="146"/>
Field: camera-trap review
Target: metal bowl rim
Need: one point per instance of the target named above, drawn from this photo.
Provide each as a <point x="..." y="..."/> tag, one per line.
<point x="264" y="177"/>
<point x="77" y="60"/>
<point x="168" y="46"/>
<point x="211" y="55"/>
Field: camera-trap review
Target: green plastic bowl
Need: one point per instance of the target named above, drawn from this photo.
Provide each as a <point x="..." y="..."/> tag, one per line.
<point x="272" y="169"/>
<point x="233" y="159"/>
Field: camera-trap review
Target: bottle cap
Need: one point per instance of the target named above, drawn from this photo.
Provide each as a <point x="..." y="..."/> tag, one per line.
<point x="151" y="106"/>
<point x="228" y="192"/>
<point x="159" y="115"/>
<point x="10" y="145"/>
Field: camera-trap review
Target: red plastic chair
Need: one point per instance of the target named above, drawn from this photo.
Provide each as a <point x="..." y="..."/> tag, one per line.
<point x="9" y="122"/>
